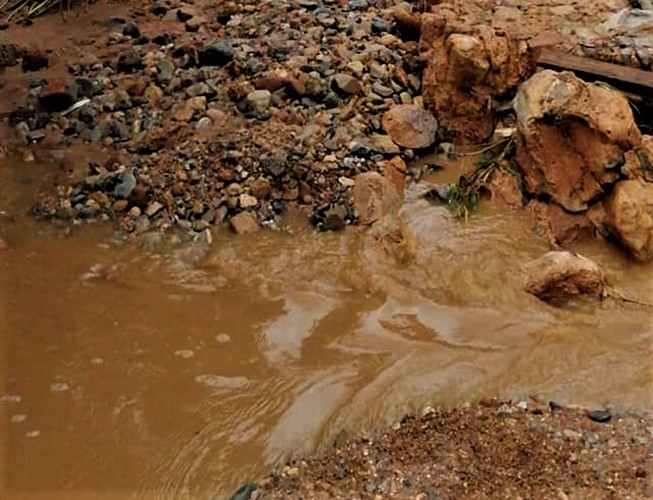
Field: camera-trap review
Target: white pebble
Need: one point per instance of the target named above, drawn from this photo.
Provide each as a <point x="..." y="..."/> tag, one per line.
<point x="19" y="417"/>
<point x="223" y="338"/>
<point x="32" y="434"/>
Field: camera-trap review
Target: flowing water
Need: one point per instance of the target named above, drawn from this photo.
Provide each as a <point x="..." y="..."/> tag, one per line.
<point x="171" y="369"/>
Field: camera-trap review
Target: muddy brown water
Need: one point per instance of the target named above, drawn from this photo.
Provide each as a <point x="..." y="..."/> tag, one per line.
<point x="170" y="369"/>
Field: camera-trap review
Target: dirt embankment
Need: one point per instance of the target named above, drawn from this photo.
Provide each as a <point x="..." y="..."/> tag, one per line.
<point x="492" y="450"/>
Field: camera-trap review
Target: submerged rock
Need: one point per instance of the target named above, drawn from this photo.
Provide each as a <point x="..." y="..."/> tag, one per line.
<point x="629" y="211"/>
<point x="560" y="275"/>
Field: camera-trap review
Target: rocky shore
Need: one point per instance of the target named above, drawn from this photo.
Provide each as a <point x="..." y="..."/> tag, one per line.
<point x="229" y="112"/>
<point x="495" y="449"/>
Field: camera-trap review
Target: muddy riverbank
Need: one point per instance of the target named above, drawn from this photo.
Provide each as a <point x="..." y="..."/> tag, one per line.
<point x="149" y="352"/>
<point x="168" y="368"/>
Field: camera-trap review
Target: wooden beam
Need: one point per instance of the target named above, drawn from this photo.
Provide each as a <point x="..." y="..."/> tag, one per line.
<point x="635" y="81"/>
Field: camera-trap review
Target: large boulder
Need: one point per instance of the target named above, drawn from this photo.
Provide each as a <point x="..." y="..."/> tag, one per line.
<point x="561" y="275"/>
<point x="469" y="72"/>
<point x="572" y="137"/>
<point x="629" y="211"/>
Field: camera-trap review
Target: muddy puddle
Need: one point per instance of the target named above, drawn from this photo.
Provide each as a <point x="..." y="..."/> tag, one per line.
<point x="173" y="369"/>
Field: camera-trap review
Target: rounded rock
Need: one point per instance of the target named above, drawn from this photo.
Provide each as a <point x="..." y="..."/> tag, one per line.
<point x="410" y="126"/>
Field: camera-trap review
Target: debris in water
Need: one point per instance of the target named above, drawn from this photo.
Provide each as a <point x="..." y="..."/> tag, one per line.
<point x="184" y="353"/>
<point x="221" y="382"/>
<point x="59" y="387"/>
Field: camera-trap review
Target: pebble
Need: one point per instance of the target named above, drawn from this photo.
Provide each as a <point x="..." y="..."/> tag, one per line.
<point x="600" y="416"/>
<point x="259" y="100"/>
<point x="18" y="418"/>
<point x="247" y="201"/>
<point x="347" y="83"/>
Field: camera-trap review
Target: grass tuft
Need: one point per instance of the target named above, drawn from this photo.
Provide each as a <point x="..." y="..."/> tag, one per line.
<point x="463" y="196"/>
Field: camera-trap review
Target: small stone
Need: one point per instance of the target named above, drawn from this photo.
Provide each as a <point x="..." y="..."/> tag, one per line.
<point x="247" y="201"/>
<point x="601" y="416"/>
<point x="410" y="126"/>
<point x="385" y="144"/>
<point x="126" y="184"/>
<point x="204" y="123"/>
<point x="244" y="223"/>
<point x="346" y="84"/>
<point x="58" y="95"/>
<point x="572" y="435"/>
<point x="346" y="181"/>
<point x="259" y="100"/>
<point x="153" y="208"/>
<point x="216" y="54"/>
<point x="260" y="188"/>
<point x="382" y="90"/>
<point x="129" y="62"/>
<point x="218" y="118"/>
<point x="131" y="29"/>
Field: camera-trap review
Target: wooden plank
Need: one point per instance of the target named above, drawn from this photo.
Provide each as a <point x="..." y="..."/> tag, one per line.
<point x="628" y="79"/>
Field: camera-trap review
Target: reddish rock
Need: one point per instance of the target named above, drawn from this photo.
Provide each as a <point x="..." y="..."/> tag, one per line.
<point x="58" y="95"/>
<point x="410" y="126"/>
<point x="469" y="73"/>
<point x="395" y="171"/>
<point x="560" y="275"/>
<point x="374" y="197"/>
<point x="271" y="81"/>
<point x="562" y="227"/>
<point x="572" y="137"/>
<point x="260" y="188"/>
<point x="244" y="223"/>
<point x="347" y="84"/>
<point x="505" y="189"/>
<point x="629" y="213"/>
<point x="219" y="118"/>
